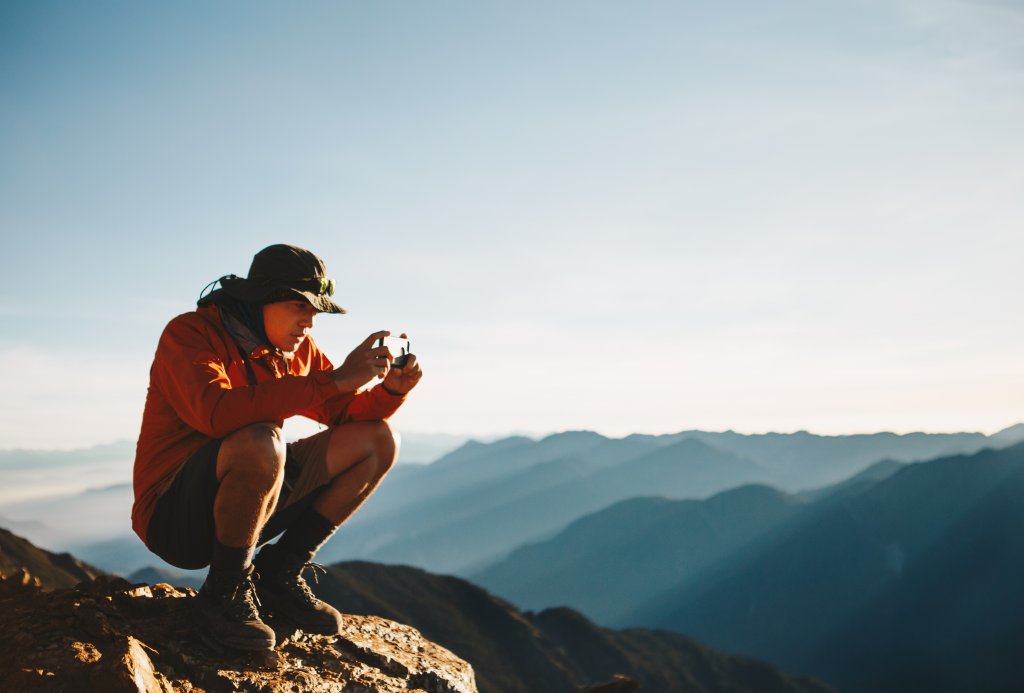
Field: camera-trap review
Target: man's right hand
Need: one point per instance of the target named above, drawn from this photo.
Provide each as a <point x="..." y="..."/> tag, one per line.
<point x="364" y="363"/>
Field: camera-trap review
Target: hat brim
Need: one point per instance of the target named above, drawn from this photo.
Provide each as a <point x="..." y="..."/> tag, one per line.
<point x="324" y="304"/>
<point x="247" y="290"/>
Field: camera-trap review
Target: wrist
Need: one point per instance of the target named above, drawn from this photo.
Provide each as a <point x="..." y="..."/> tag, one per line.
<point x="393" y="393"/>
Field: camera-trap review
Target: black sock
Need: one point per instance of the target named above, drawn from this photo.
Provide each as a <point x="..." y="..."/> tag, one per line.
<point x="229" y="561"/>
<point x="306" y="535"/>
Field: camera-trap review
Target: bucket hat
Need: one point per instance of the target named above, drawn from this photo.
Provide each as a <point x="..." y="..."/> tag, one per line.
<point x="282" y="273"/>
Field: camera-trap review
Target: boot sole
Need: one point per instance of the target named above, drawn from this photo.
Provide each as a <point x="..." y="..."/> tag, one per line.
<point x="220" y="640"/>
<point x="285" y="618"/>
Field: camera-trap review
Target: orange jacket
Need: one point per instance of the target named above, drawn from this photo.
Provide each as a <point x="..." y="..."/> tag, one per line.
<point x="199" y="391"/>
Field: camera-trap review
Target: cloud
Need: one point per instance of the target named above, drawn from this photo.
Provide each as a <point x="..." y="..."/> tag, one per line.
<point x="64" y="399"/>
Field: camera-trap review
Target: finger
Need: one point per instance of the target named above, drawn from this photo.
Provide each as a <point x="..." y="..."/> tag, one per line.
<point x="381" y="352"/>
<point x="373" y="338"/>
<point x="410" y="362"/>
<point x="404" y="336"/>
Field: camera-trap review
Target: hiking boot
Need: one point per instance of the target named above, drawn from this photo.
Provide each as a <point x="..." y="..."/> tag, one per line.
<point x="284" y="592"/>
<point x="227" y="609"/>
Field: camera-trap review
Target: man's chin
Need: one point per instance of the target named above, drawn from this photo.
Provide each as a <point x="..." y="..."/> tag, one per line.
<point x="290" y="347"/>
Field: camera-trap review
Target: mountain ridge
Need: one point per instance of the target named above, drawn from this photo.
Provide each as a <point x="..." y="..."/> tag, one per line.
<point x="602" y="563"/>
<point x="546" y="652"/>
<point x="814" y="579"/>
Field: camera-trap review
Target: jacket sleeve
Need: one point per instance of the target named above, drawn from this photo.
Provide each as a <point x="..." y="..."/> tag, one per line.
<point x="374" y="404"/>
<point x="193" y="378"/>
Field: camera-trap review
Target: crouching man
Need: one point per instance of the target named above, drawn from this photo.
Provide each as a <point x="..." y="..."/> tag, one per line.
<point x="214" y="477"/>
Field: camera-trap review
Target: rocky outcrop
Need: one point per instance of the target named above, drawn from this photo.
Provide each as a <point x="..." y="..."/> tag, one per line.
<point x="109" y="635"/>
<point x="53" y="570"/>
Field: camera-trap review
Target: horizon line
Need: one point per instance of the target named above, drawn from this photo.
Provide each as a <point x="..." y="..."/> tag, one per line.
<point x="537" y="436"/>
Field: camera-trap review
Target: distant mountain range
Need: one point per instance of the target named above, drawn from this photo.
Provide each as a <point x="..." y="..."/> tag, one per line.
<point x="478" y="503"/>
<point x="905" y="578"/>
<point x="32" y="474"/>
<point x="482" y="524"/>
<point x="610" y="563"/>
<point x="474" y="506"/>
<point x="80" y="500"/>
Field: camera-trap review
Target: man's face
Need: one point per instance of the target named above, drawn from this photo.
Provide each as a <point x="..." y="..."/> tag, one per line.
<point x="287" y="323"/>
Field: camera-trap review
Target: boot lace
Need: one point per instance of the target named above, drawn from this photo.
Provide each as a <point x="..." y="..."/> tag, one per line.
<point x="242" y="602"/>
<point x="299" y="588"/>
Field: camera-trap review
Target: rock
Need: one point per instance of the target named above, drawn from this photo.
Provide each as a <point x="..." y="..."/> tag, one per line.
<point x="109" y="635"/>
<point x="130" y="671"/>
<point x="20" y="582"/>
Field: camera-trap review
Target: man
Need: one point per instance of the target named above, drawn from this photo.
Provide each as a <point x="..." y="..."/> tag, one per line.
<point x="213" y="475"/>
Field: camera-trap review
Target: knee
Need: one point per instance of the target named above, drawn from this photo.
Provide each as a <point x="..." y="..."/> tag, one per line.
<point x="387" y="442"/>
<point x="258" y="451"/>
<point x="371" y="444"/>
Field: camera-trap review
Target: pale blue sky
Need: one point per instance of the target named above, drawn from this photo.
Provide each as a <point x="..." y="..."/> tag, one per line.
<point x="622" y="216"/>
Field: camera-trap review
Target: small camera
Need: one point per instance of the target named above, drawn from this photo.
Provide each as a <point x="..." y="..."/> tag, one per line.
<point x="399" y="348"/>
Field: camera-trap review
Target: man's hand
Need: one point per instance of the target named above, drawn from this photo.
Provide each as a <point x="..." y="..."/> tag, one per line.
<point x="363" y="364"/>
<point x="401" y="380"/>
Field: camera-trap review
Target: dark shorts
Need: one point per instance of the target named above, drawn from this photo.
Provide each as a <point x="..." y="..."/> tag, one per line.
<point x="181" y="530"/>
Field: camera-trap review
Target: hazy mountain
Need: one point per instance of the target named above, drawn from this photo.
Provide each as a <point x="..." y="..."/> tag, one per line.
<point x="63" y="498"/>
<point x="94" y="525"/>
<point x="46" y="476"/>
<point x="29" y="474"/>
<point x="423" y="448"/>
<point x="515" y="652"/>
<point x="804" y="460"/>
<point x="471" y="465"/>
<point x="33" y="530"/>
<point x="54" y="570"/>
<point x="912" y="583"/>
<point x="65" y="520"/>
<point x="476" y="504"/>
<point x="609" y="563"/>
<point x="872" y="475"/>
<point x="457" y="535"/>
<point x="476" y="487"/>
<point x="126" y="555"/>
<point x="1008" y="436"/>
<point x="178" y="578"/>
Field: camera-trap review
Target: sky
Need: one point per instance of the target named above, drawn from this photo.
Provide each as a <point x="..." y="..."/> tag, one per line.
<point x="617" y="216"/>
